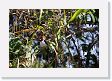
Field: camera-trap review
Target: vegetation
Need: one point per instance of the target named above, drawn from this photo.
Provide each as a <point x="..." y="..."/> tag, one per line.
<point x="53" y="38"/>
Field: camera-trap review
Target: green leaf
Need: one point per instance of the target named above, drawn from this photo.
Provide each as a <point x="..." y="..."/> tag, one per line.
<point x="41" y="10"/>
<point x="64" y="14"/>
<point x="58" y="34"/>
<point x="75" y="15"/>
<point x="40" y="28"/>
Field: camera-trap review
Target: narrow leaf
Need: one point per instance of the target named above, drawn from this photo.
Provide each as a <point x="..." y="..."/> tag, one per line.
<point x="41" y="10"/>
<point x="75" y="15"/>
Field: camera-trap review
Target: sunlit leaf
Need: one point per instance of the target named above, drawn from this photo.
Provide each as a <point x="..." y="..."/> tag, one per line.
<point x="41" y="10"/>
<point x="75" y="15"/>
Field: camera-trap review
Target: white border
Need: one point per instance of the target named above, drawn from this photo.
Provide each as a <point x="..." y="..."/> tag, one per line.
<point x="102" y="71"/>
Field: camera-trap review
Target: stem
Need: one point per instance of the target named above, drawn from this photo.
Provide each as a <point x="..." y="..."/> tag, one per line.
<point x="88" y="51"/>
<point x="80" y="63"/>
<point x="17" y="62"/>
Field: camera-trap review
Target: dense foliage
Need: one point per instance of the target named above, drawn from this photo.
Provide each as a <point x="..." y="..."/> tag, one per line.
<point x="53" y="38"/>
